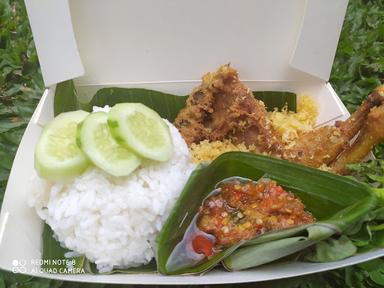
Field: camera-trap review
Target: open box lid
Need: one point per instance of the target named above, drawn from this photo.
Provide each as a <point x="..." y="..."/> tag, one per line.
<point x="125" y="41"/>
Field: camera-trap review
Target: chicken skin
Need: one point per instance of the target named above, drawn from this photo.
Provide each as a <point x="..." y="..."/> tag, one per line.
<point x="222" y="107"/>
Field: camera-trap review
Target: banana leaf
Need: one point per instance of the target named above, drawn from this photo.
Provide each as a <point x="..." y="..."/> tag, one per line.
<point x="54" y="255"/>
<point x="149" y="268"/>
<point x="167" y="105"/>
<point x="65" y="98"/>
<point x="55" y="260"/>
<point x="279" y="100"/>
<point x="336" y="201"/>
<point x="255" y="255"/>
<point x="332" y="250"/>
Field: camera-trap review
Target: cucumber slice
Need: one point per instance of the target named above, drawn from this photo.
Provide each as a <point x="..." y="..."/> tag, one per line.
<point x="102" y="149"/>
<point x="57" y="156"/>
<point x="141" y="129"/>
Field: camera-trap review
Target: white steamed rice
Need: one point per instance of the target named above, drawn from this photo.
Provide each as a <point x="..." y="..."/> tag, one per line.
<point x="114" y="221"/>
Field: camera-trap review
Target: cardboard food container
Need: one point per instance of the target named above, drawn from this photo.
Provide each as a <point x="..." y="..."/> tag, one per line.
<point x="168" y="45"/>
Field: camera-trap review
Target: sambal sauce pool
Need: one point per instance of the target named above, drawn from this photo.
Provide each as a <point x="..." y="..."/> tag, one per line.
<point x="237" y="210"/>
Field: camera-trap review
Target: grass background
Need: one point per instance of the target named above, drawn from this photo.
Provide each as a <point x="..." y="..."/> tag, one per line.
<point x="358" y="68"/>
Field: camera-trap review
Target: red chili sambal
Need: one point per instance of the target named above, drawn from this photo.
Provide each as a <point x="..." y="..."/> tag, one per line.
<point x="203" y="245"/>
<point x="243" y="208"/>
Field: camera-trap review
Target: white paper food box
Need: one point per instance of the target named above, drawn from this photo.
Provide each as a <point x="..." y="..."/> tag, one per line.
<point x="168" y="45"/>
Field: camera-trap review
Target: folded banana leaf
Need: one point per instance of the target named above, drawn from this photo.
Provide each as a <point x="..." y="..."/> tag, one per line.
<point x="256" y="253"/>
<point x="337" y="202"/>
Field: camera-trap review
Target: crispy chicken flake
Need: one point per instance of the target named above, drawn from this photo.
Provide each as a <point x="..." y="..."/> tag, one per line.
<point x="222" y="107"/>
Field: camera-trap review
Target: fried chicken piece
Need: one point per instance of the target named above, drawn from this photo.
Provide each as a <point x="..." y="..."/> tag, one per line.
<point x="323" y="145"/>
<point x="224" y="108"/>
<point x="370" y="135"/>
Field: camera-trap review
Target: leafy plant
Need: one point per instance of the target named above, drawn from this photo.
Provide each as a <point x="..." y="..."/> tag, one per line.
<point x="21" y="86"/>
<point x="359" y="63"/>
<point x="20" y="82"/>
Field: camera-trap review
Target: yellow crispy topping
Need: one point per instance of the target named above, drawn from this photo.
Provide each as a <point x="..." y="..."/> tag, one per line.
<point x="287" y="124"/>
<point x="208" y="151"/>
